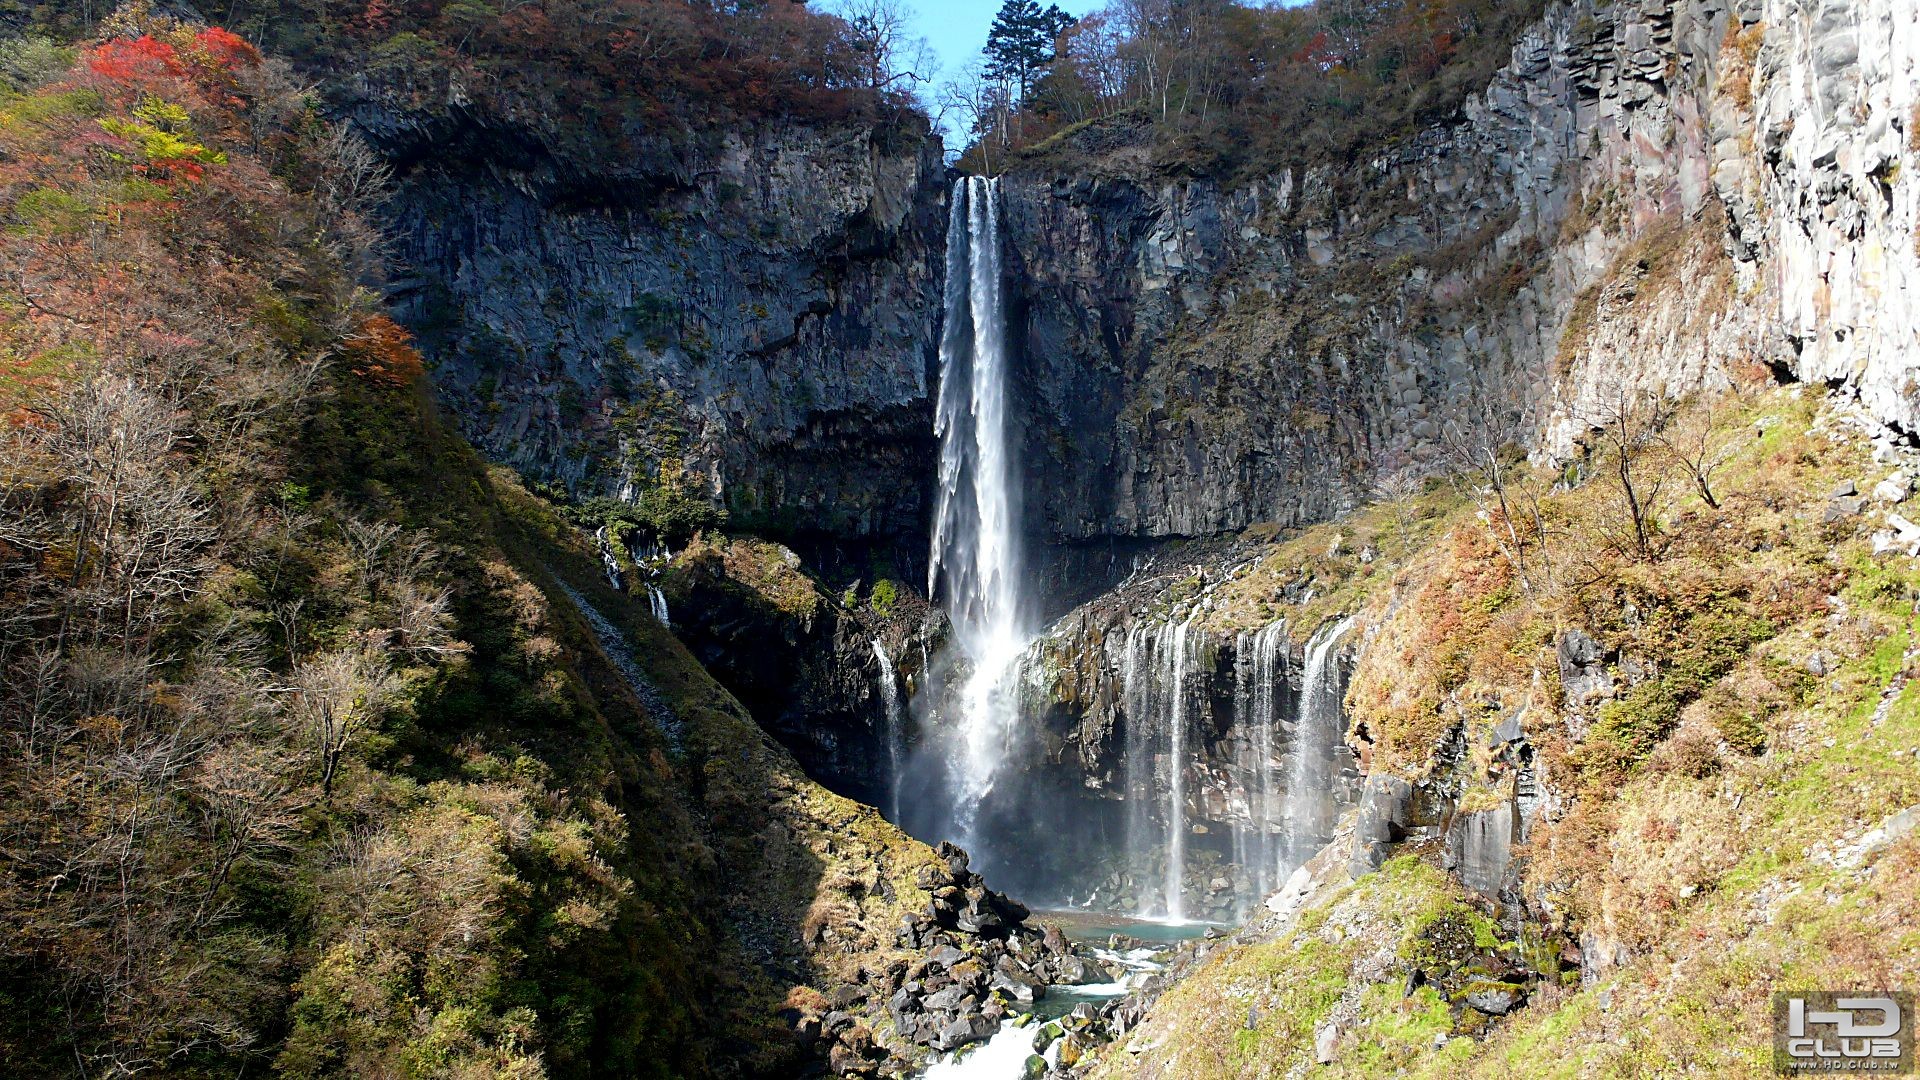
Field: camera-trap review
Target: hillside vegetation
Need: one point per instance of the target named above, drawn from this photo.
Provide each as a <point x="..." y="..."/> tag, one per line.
<point x="312" y="763"/>
<point x="642" y="64"/>
<point x="1220" y="89"/>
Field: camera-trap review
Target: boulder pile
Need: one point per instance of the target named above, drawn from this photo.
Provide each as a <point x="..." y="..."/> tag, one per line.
<point x="980" y="962"/>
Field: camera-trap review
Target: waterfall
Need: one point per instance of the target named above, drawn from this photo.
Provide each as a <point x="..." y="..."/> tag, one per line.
<point x="975" y="561"/>
<point x="1137" y="764"/>
<point x="1257" y="674"/>
<point x="1316" y="732"/>
<point x="658" y="600"/>
<point x="603" y="542"/>
<point x="1154" y="691"/>
<point x="1176" y="892"/>
<point x="896" y="725"/>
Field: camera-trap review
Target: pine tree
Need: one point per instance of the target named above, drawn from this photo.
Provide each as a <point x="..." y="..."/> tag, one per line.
<point x="1022" y="40"/>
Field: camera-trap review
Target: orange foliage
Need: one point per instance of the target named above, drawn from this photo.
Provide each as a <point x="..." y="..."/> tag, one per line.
<point x="164" y="267"/>
<point x="179" y="64"/>
<point x="383" y="353"/>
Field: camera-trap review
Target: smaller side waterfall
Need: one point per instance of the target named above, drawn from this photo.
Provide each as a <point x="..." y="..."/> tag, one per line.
<point x="896" y="734"/>
<point x="1259" y="668"/>
<point x="1176" y="884"/>
<point x="658" y="601"/>
<point x="1316" y="733"/>
<point x="603" y="542"/>
<point x="1155" y="691"/>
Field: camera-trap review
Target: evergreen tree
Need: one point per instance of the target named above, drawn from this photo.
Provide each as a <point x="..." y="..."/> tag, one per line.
<point x="1022" y="39"/>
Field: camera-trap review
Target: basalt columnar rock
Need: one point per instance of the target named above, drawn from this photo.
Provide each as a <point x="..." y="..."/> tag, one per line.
<point x="1203" y="353"/>
<point x="738" y="320"/>
<point x="1656" y="197"/>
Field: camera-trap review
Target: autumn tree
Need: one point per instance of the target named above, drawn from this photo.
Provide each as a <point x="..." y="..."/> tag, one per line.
<point x="1481" y="441"/>
<point x="880" y="34"/>
<point x="1700" y="441"/>
<point x="1625" y="425"/>
<point x="336" y="696"/>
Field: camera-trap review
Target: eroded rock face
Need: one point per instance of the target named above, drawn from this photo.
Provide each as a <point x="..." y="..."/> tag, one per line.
<point x="1659" y="196"/>
<point x="746" y="319"/>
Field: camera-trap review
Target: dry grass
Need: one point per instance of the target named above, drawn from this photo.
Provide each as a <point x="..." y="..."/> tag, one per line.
<point x="1738" y="54"/>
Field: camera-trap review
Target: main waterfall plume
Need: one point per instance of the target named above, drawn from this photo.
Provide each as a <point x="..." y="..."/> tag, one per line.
<point x="975" y="562"/>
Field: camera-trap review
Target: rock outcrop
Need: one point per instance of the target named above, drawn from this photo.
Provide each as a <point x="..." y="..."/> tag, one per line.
<point x="740" y="321"/>
<point x="1203" y="355"/>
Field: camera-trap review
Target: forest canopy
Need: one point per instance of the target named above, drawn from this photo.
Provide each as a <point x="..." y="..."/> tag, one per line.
<point x="1214" y="86"/>
<point x="656" y="65"/>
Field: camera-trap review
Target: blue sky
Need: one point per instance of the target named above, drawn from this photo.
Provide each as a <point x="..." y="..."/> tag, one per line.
<point x="957" y="29"/>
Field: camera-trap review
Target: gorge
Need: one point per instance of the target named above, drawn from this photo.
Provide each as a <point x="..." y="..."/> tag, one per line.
<point x="584" y="540"/>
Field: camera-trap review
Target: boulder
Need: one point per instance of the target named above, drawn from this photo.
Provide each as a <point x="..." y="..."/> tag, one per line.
<point x="1019" y="988"/>
<point x="1325" y="1042"/>
<point x="1494" y="1000"/>
<point x="951" y="999"/>
<point x="1843" y="507"/>
<point x="1054" y="940"/>
<point x="962" y="1031"/>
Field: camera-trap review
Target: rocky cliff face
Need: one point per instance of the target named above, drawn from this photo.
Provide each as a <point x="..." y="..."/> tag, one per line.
<point x="1655" y="197"/>
<point x="741" y="320"/>
<point x="1201" y="357"/>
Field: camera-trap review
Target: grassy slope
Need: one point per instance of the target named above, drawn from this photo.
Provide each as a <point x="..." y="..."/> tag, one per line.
<point x="1703" y="820"/>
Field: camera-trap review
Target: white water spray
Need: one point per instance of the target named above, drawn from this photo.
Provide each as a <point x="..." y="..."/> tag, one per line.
<point x="975" y="563"/>
<point x="1176" y="890"/>
<point x="1155" y="690"/>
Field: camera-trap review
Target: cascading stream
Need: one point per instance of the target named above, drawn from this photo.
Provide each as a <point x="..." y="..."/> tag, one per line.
<point x="975" y="561"/>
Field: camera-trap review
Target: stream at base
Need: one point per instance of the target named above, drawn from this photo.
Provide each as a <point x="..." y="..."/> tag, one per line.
<point x="1130" y="945"/>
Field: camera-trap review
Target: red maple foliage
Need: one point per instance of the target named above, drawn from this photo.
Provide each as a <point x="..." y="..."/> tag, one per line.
<point x="224" y="49"/>
<point x="128" y="61"/>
